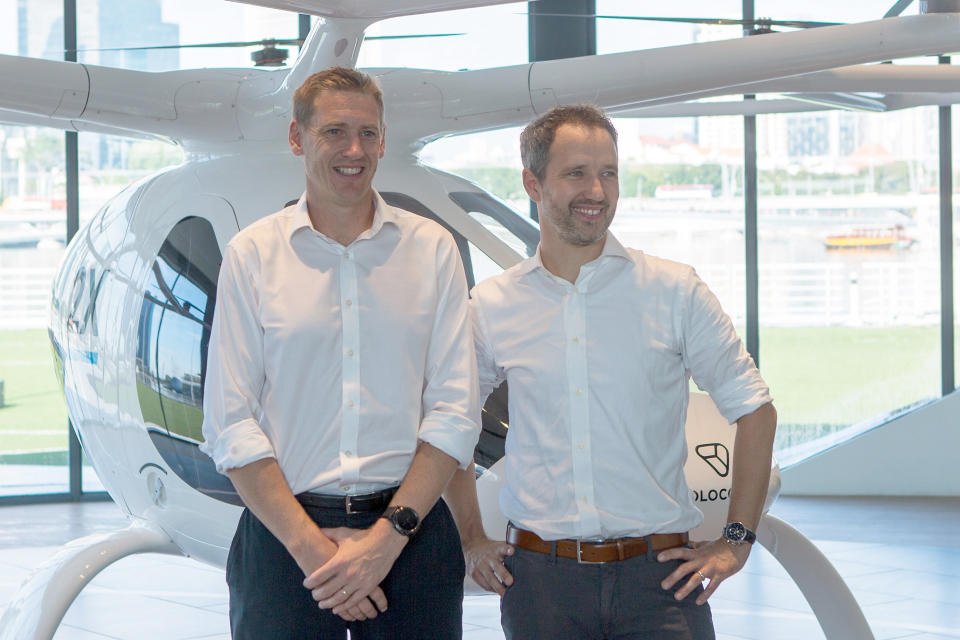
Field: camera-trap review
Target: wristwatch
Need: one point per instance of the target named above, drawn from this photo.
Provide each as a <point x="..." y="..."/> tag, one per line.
<point x="404" y="519"/>
<point x="736" y="533"/>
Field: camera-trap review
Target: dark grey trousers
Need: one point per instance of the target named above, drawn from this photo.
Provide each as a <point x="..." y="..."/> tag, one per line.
<point x="559" y="599"/>
<point x="424" y="588"/>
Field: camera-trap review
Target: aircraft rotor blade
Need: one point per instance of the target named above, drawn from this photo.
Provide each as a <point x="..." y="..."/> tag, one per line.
<point x="879" y="78"/>
<point x="203" y="45"/>
<point x="268" y="42"/>
<point x="897" y="8"/>
<point x="408" y="36"/>
<point x="796" y="24"/>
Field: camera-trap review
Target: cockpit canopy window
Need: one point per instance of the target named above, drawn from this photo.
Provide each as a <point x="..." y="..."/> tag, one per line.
<point x="174" y="330"/>
<point x="172" y="339"/>
<point x="516" y="231"/>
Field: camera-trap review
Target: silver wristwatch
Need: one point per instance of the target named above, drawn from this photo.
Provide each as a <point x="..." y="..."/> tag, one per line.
<point x="736" y="533"/>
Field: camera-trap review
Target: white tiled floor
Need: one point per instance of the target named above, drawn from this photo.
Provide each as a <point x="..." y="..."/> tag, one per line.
<point x="900" y="557"/>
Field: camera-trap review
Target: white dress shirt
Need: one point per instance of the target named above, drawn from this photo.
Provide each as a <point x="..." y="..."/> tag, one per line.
<point x="336" y="360"/>
<point x="599" y="376"/>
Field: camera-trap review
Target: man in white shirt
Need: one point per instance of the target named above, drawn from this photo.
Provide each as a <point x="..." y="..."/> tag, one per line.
<point x="340" y="395"/>
<point x="597" y="344"/>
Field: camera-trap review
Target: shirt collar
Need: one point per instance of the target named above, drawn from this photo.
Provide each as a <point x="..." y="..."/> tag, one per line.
<point x="382" y="213"/>
<point x="611" y="249"/>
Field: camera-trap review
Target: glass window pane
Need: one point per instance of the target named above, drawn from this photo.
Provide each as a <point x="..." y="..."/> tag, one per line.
<point x="849" y="267"/>
<point x="476" y="29"/>
<point x="827" y="10"/>
<point x="681" y="197"/>
<point x="105" y="24"/>
<point x="626" y="35"/>
<point x="33" y="417"/>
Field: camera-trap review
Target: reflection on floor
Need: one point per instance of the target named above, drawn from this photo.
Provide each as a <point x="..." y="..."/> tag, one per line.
<point x="901" y="558"/>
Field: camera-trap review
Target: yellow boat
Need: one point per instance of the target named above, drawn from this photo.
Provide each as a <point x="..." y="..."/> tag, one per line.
<point x="870" y="239"/>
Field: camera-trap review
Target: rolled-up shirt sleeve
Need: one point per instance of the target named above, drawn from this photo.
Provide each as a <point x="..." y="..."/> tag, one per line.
<point x="715" y="355"/>
<point x="235" y="373"/>
<point x="451" y="407"/>
<point x="489" y="374"/>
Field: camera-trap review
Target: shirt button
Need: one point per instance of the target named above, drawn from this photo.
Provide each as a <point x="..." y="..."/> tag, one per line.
<point x="350" y="353"/>
<point x="576" y="340"/>
<point x="576" y="289"/>
<point x="579" y="392"/>
<point x="349" y="302"/>
<point x="350" y="403"/>
<point x="580" y="446"/>
<point x="584" y="498"/>
<point x="348" y="453"/>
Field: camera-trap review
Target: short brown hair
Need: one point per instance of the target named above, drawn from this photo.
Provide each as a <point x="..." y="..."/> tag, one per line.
<point x="332" y="79"/>
<point x="537" y="138"/>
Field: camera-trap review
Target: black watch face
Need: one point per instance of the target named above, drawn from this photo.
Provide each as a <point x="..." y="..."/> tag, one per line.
<point x="406" y="518"/>
<point x="736" y="531"/>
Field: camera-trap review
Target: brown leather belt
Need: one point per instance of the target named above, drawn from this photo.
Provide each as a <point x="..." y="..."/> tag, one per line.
<point x="595" y="552"/>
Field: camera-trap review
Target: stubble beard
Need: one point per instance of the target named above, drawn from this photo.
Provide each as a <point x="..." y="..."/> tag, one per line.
<point x="581" y="234"/>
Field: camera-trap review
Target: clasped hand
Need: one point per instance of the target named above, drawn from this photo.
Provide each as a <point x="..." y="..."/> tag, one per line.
<point x="349" y="582"/>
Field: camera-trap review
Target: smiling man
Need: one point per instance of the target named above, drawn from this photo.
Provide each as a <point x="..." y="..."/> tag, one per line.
<point x="341" y="394"/>
<point x="597" y="343"/>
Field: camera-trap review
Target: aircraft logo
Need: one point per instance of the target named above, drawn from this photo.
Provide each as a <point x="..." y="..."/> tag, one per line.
<point x="717" y="456"/>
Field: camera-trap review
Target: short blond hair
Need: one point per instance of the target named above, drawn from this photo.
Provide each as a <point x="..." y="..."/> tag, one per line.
<point x="332" y="79"/>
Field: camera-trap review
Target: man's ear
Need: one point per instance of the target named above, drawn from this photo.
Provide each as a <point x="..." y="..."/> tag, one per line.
<point x="294" y="138"/>
<point x="531" y="184"/>
<point x="383" y="138"/>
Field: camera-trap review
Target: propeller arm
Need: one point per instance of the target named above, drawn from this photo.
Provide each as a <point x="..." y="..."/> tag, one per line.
<point x="880" y="78"/>
<point x="43" y="87"/>
<point x="200" y="109"/>
<point x="429" y="104"/>
<point x="700" y="69"/>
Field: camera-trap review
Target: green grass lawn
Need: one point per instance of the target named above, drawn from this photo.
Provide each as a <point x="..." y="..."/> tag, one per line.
<point x="822" y="378"/>
<point x="844" y="375"/>
<point x="825" y="378"/>
<point x="34" y="415"/>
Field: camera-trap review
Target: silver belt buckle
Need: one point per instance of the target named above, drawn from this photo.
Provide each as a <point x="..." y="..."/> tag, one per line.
<point x="580" y="559"/>
<point x="346" y="503"/>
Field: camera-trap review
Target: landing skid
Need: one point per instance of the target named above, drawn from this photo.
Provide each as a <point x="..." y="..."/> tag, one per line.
<point x="827" y="594"/>
<point x="44" y="597"/>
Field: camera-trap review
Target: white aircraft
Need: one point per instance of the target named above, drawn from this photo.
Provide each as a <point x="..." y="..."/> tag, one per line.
<point x="132" y="304"/>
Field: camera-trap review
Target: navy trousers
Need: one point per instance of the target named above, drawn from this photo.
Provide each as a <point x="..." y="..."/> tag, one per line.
<point x="424" y="589"/>
<point x="560" y="599"/>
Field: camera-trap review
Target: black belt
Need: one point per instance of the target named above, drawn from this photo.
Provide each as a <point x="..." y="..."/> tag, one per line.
<point x="361" y="503"/>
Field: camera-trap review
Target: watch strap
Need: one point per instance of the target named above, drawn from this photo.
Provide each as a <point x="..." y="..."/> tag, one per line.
<point x="405" y="520"/>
